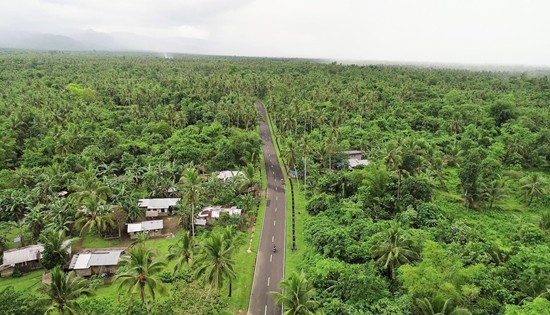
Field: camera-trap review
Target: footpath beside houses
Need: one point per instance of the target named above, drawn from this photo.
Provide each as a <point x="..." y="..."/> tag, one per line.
<point x="153" y="228"/>
<point x="158" y="207"/>
<point x="96" y="261"/>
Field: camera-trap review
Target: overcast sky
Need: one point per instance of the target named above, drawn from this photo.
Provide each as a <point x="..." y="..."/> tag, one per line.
<point x="461" y="31"/>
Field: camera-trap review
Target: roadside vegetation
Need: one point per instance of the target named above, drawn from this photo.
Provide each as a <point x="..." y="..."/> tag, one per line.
<point x="450" y="216"/>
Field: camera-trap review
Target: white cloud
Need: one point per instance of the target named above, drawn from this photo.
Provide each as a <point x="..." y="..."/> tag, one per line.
<point x="468" y="31"/>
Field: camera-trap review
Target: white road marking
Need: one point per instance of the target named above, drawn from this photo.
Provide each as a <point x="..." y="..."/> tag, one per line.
<point x="273" y="173"/>
<point x="276" y="197"/>
<point x="265" y="310"/>
<point x="268" y="279"/>
<point x="273" y="239"/>
<point x="274" y="223"/>
<point x="276" y="188"/>
<point x="271" y="258"/>
<point x="275" y="209"/>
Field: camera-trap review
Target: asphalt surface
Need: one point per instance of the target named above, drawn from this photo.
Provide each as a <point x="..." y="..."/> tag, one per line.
<point x="270" y="265"/>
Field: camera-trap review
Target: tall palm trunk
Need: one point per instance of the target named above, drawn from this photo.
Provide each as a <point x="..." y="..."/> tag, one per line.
<point x="193" y="219"/>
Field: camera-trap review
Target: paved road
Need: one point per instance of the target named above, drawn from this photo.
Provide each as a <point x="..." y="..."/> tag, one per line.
<point x="269" y="266"/>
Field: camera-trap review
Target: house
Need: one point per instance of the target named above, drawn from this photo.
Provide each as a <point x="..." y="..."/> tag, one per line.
<point x="225" y="175"/>
<point x="153" y="228"/>
<point x="96" y="261"/>
<point x="355" y="158"/>
<point x="353" y="163"/>
<point x="158" y="206"/>
<point x="23" y="259"/>
<point x="213" y="212"/>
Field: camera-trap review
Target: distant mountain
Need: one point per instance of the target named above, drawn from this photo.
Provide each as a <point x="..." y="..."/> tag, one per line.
<point x="92" y="40"/>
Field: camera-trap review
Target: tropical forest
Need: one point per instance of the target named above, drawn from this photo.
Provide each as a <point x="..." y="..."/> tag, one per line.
<point x="137" y="183"/>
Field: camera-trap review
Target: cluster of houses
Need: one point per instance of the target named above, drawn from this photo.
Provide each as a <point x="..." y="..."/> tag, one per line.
<point x="105" y="261"/>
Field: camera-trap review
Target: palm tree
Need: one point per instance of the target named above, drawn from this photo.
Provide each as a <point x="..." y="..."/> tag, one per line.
<point x="298" y="295"/>
<point x="191" y="184"/>
<point x="64" y="291"/>
<point x="495" y="190"/>
<point x="533" y="186"/>
<point x="56" y="249"/>
<point x="88" y="186"/>
<point x="393" y="250"/>
<point x="95" y="214"/>
<point x="439" y="307"/>
<point x="182" y="250"/>
<point x="249" y="180"/>
<point x="141" y="273"/>
<point x="215" y="261"/>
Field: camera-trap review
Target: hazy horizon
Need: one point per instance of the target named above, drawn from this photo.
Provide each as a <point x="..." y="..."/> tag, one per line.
<point x="467" y="32"/>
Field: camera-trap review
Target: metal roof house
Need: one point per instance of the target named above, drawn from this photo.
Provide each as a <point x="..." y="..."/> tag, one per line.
<point x="353" y="163"/>
<point x="158" y="206"/>
<point x="96" y="261"/>
<point x="153" y="228"/>
<point x="225" y="175"/>
<point x="25" y="258"/>
<point x="213" y="212"/>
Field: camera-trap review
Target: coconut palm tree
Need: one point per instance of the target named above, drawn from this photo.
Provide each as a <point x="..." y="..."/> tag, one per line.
<point x="64" y="290"/>
<point x="191" y="184"/>
<point x="55" y="249"/>
<point x="533" y="186"/>
<point x="182" y="251"/>
<point x="249" y="181"/>
<point x="393" y="250"/>
<point x="298" y="295"/>
<point x="95" y="214"/>
<point x="495" y="190"/>
<point x="215" y="261"/>
<point x="141" y="273"/>
<point x="439" y="306"/>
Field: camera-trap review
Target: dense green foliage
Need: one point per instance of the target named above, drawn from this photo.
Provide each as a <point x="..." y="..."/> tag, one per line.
<point x="450" y="215"/>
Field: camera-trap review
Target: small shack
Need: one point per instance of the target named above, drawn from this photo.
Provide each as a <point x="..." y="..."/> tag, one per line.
<point x="158" y="207"/>
<point x="96" y="261"/>
<point x="153" y="228"/>
<point x="24" y="259"/>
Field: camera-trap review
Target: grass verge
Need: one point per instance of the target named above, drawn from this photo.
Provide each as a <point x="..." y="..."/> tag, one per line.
<point x="245" y="261"/>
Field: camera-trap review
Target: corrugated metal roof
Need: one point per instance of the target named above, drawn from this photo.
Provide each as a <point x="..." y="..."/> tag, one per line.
<point x="82" y="261"/>
<point x="134" y="227"/>
<point x="145" y="226"/>
<point x="105" y="258"/>
<point x="24" y="254"/>
<point x="355" y="162"/>
<point x="228" y="174"/>
<point x="99" y="257"/>
<point x="158" y="203"/>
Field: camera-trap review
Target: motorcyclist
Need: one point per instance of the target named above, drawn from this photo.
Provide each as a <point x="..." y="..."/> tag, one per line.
<point x="274" y="248"/>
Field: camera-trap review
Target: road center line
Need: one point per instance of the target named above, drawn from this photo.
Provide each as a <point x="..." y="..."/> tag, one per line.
<point x="276" y="188"/>
<point x="273" y="239"/>
<point x="274" y="223"/>
<point x="275" y="209"/>
<point x="276" y="197"/>
<point x="271" y="258"/>
<point x="265" y="310"/>
<point x="268" y="279"/>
